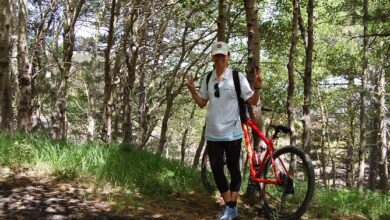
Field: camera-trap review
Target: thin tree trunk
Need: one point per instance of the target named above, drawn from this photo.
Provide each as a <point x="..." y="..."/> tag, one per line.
<point x="350" y="160"/>
<point x="253" y="33"/>
<point x="360" y="182"/>
<point x="167" y="115"/>
<point x="106" y="134"/>
<point x="90" y="80"/>
<point x="290" y="68"/>
<point x="199" y="149"/>
<point x="14" y="73"/>
<point x="373" y="142"/>
<point x="142" y="111"/>
<point x="131" y="58"/>
<point x="307" y="91"/>
<point x="71" y="14"/>
<point x="324" y="136"/>
<point x="117" y="116"/>
<point x="302" y="28"/>
<point x="383" y="144"/>
<point x="25" y="71"/>
<point x="222" y="15"/>
<point x="185" y="134"/>
<point x="127" y="94"/>
<point x="5" y="83"/>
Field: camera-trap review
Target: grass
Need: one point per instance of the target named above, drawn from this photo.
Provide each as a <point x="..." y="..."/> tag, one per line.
<point x="374" y="205"/>
<point x="132" y="169"/>
<point x="154" y="177"/>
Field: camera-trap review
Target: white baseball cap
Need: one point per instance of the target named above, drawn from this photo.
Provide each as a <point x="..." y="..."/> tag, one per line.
<point x="219" y="48"/>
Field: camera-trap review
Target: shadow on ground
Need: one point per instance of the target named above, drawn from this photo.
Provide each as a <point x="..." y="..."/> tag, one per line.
<point x="28" y="195"/>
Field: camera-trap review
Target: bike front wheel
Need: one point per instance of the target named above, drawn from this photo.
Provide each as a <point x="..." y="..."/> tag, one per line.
<point x="290" y="199"/>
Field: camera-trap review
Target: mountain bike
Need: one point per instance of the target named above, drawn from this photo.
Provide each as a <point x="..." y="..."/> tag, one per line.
<point x="284" y="177"/>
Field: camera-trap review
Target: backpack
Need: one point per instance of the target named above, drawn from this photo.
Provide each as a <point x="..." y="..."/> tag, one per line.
<point x="241" y="102"/>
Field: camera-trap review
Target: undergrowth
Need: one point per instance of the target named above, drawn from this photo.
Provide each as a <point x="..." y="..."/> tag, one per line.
<point x="153" y="176"/>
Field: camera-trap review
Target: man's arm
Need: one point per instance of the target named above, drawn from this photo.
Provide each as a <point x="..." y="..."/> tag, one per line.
<point x="254" y="98"/>
<point x="257" y="86"/>
<point x="201" y="102"/>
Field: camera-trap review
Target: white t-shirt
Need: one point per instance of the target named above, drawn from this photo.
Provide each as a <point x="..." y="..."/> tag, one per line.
<point x="223" y="115"/>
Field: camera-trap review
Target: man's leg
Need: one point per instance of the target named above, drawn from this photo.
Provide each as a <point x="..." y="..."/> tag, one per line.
<point x="233" y="151"/>
<point x="215" y="151"/>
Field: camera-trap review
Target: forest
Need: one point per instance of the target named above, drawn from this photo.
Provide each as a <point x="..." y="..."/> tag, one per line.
<point x="114" y="72"/>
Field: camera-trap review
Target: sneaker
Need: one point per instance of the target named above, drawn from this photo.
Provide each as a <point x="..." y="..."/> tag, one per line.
<point x="220" y="213"/>
<point x="229" y="213"/>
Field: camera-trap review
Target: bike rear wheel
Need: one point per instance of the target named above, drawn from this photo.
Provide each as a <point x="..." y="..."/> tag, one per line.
<point x="290" y="199"/>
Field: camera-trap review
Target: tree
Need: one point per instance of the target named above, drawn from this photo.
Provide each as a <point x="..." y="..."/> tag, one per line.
<point x="383" y="143"/>
<point x="108" y="74"/>
<point x="363" y="132"/>
<point x="306" y="121"/>
<point x="5" y="83"/>
<point x="71" y="14"/>
<point x="253" y="34"/>
<point x="290" y="69"/>
<point x="25" y="72"/>
<point x="222" y="14"/>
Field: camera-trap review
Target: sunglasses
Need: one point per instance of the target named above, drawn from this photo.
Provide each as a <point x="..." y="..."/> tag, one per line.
<point x="216" y="93"/>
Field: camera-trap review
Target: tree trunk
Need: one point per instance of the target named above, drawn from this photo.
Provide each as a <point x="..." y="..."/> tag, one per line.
<point x="324" y="139"/>
<point x="306" y="137"/>
<point x="131" y="63"/>
<point x="350" y="160"/>
<point x="199" y="149"/>
<point x="131" y="57"/>
<point x="117" y="116"/>
<point x="185" y="134"/>
<point x="221" y="32"/>
<point x="106" y="134"/>
<point x="253" y="33"/>
<point x="373" y="142"/>
<point x="25" y="72"/>
<point x="90" y="79"/>
<point x="71" y="14"/>
<point x="360" y="181"/>
<point x="290" y="68"/>
<point x="5" y="83"/>
<point x="384" y="177"/>
<point x="143" y="109"/>
<point x="167" y="115"/>
<point x="302" y="28"/>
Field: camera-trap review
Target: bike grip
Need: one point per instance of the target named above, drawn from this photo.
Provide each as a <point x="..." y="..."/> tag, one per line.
<point x="282" y="128"/>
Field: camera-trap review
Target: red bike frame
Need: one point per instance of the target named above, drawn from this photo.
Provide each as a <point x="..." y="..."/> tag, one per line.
<point x="270" y="150"/>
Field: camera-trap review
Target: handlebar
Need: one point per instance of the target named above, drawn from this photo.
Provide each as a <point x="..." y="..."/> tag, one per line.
<point x="280" y="128"/>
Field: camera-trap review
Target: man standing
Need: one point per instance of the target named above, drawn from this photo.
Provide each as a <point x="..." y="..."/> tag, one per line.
<point x="223" y="125"/>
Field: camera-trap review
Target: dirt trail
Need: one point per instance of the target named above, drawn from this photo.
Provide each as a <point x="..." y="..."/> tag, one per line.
<point x="25" y="194"/>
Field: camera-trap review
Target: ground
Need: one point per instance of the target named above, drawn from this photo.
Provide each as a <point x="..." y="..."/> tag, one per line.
<point x="27" y="194"/>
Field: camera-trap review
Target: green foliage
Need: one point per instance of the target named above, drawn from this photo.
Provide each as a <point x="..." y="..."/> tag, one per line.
<point x="135" y="169"/>
<point x="375" y="205"/>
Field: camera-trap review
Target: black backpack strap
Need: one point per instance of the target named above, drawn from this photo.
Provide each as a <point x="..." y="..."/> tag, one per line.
<point x="208" y="80"/>
<point x="241" y="102"/>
